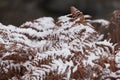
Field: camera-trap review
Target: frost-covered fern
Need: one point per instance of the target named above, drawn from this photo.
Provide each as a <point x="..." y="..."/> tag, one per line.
<point x="67" y="49"/>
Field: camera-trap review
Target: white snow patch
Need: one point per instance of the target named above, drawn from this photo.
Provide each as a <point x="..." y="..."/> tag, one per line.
<point x="117" y="59"/>
<point x="102" y="21"/>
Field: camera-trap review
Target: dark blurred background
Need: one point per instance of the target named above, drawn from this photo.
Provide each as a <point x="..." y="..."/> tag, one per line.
<point x="17" y="12"/>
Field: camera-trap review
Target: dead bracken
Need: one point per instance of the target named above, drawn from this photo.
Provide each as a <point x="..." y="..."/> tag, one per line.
<point x="71" y="48"/>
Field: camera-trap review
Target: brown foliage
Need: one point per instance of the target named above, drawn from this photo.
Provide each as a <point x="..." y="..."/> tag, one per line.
<point x="88" y="58"/>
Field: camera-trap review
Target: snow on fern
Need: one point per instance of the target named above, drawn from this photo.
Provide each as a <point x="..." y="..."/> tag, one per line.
<point x="69" y="48"/>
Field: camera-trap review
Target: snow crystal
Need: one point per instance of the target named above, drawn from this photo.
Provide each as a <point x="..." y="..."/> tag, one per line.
<point x="90" y="60"/>
<point x="7" y="54"/>
<point x="44" y="23"/>
<point x="65" y="21"/>
<point x="104" y="22"/>
<point x="107" y="65"/>
<point x="117" y="59"/>
<point x="106" y="43"/>
<point x="87" y="16"/>
<point x="75" y="68"/>
<point x="14" y="78"/>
